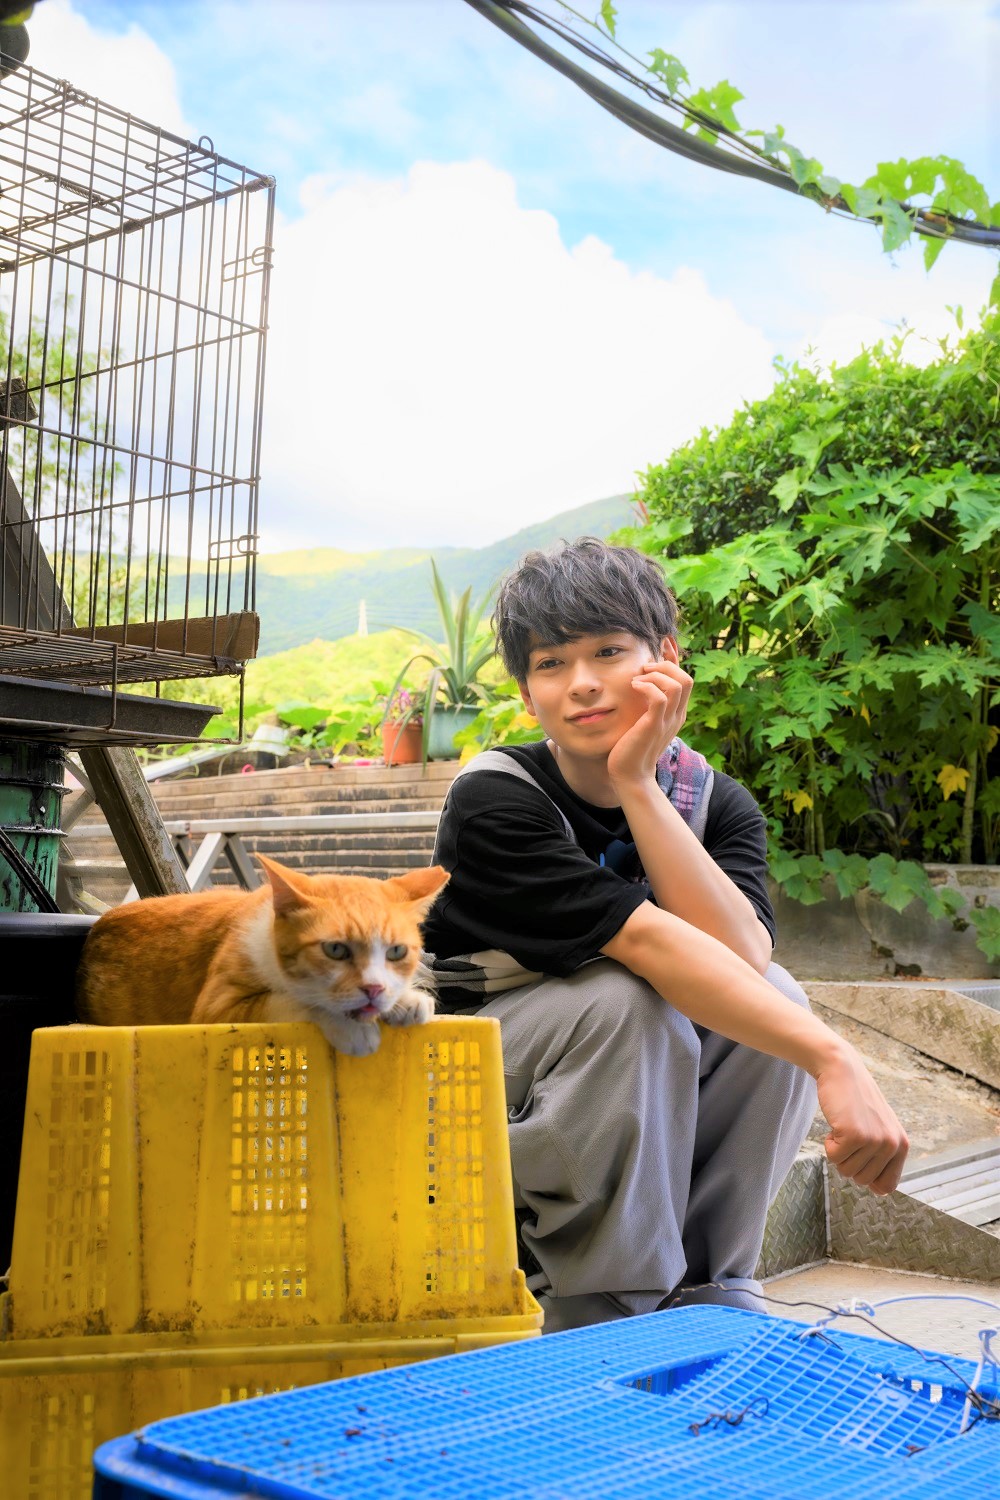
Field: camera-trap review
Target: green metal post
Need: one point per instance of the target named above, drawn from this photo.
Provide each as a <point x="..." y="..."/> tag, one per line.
<point x="31" y="792"/>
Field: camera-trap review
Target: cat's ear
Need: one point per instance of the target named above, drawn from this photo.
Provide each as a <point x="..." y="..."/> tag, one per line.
<point x="285" y="892"/>
<point x="418" y="887"/>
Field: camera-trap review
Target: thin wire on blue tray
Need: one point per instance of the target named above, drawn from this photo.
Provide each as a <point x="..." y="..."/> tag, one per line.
<point x="987" y="1408"/>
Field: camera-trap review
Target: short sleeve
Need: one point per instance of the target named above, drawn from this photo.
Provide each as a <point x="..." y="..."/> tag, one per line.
<point x="519" y="884"/>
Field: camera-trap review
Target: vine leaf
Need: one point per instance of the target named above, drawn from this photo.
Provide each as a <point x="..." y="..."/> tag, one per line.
<point x="932" y="249"/>
<point x="862" y="201"/>
<point x="987" y="924"/>
<point x="898" y="881"/>
<point x="850" y="871"/>
<point x="668" y="67"/>
<point x="718" y="104"/>
<point x="609" y="15"/>
<point x="897" y="226"/>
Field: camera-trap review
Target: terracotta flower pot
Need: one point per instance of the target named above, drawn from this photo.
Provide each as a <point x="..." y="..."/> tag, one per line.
<point x="402" y="746"/>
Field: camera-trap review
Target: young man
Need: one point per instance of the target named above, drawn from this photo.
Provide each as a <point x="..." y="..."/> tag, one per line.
<point x="608" y="906"/>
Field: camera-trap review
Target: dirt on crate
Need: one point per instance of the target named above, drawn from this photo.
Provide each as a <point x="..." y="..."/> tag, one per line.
<point x="938" y="1106"/>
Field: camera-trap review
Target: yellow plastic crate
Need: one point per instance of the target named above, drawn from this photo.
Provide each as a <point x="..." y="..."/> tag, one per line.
<point x="210" y="1212"/>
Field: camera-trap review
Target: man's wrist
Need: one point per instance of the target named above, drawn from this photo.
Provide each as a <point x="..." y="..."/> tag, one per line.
<point x="630" y="786"/>
<point x="827" y="1050"/>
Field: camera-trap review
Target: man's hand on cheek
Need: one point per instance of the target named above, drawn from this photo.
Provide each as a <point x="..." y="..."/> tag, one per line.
<point x="662" y="689"/>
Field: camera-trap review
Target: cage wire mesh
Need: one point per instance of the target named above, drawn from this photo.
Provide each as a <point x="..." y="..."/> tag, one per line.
<point x="134" y="271"/>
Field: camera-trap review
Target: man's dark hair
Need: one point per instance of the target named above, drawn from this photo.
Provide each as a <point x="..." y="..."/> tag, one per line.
<point x="580" y="588"/>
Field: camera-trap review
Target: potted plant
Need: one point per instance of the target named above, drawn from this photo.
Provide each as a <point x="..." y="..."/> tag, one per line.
<point x="402" y="727"/>
<point x="454" y="694"/>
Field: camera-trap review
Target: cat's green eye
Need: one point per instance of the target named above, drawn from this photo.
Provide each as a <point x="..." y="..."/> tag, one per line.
<point x="336" y="950"/>
<point x="396" y="952"/>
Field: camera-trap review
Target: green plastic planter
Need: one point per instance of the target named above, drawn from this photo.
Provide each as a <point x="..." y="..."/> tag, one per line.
<point x="445" y="724"/>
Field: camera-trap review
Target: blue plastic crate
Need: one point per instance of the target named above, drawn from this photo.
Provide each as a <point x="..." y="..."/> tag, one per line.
<point x="647" y="1407"/>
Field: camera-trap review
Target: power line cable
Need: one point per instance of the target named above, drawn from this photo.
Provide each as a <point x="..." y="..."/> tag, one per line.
<point x="739" y="156"/>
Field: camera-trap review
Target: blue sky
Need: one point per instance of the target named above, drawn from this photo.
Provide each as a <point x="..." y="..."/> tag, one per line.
<point x="513" y="302"/>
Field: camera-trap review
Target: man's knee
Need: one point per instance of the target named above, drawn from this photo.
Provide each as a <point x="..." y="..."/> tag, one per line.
<point x="618" y="1005"/>
<point x="789" y="987"/>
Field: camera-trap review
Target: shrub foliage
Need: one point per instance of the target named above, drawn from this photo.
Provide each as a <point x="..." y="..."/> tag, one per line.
<point x="837" y="553"/>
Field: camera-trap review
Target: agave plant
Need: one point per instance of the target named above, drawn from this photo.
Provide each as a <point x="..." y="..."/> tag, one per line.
<point x="455" y="665"/>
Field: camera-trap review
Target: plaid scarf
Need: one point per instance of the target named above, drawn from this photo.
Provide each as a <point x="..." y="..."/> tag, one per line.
<point x="685" y="776"/>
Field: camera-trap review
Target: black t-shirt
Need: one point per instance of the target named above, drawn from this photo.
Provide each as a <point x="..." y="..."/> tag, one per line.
<point x="518" y="884"/>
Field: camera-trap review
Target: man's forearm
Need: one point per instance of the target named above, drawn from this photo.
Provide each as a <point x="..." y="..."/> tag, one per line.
<point x="686" y="880"/>
<point x="717" y="989"/>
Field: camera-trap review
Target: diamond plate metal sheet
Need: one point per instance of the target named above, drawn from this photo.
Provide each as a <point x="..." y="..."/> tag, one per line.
<point x="796" y="1223"/>
<point x="906" y="1235"/>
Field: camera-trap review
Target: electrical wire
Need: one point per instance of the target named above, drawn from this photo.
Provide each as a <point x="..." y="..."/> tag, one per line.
<point x="739" y="157"/>
<point x="986" y="1408"/>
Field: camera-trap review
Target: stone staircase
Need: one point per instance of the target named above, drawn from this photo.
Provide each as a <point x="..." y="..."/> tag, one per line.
<point x="295" y="791"/>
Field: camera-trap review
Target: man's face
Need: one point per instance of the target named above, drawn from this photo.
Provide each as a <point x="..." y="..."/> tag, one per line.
<point x="581" y="692"/>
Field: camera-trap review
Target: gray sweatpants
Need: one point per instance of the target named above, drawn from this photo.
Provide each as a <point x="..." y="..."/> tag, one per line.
<point x="645" y="1149"/>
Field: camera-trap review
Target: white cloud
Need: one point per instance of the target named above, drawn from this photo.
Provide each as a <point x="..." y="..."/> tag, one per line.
<point x="126" y="69"/>
<point x="863" y="296"/>
<point x="442" y="368"/>
<point x="442" y="365"/>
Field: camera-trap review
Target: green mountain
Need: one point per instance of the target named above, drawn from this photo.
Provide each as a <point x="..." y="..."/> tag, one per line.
<point x="305" y="596"/>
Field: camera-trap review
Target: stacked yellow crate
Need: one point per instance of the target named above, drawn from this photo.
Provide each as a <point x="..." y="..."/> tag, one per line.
<point x="209" y="1212"/>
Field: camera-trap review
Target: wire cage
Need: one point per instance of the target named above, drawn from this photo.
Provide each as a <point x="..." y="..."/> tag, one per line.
<point x="134" y="271"/>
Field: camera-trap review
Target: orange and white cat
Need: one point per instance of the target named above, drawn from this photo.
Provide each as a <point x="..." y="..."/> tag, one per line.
<point x="342" y="951"/>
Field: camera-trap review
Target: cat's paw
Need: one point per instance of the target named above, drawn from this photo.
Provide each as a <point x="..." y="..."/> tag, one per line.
<point x="411" y="1009"/>
<point x="353" y="1038"/>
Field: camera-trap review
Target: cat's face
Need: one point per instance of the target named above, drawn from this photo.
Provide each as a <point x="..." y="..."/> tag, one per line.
<point x="348" y="946"/>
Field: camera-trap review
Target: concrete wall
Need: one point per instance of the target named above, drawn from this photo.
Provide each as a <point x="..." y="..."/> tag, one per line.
<point x="861" y="938"/>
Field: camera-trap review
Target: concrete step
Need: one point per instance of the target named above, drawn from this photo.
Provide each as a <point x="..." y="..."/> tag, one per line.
<point x="210" y="811"/>
<point x="227" y="879"/>
<point x="375" y="862"/>
<point x="284" y="845"/>
<point x="257" y="789"/>
<point x="437" y="775"/>
<point x="289" y="847"/>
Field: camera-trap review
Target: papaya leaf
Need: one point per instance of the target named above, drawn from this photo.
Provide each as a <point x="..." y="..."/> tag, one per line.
<point x="788" y="488"/>
<point x="977" y="510"/>
<point x="985" y="626"/>
<point x="951" y="779"/>
<point x="810" y="442"/>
